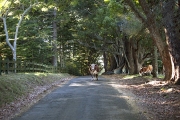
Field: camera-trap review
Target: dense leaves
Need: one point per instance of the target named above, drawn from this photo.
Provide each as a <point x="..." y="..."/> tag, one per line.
<point x="118" y="30"/>
<point x="92" y="24"/>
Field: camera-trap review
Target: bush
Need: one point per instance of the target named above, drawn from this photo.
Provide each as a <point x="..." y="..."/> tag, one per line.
<point x="73" y="69"/>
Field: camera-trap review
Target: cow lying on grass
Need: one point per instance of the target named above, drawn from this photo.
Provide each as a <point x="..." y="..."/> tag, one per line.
<point x="146" y="70"/>
<point x="94" y="70"/>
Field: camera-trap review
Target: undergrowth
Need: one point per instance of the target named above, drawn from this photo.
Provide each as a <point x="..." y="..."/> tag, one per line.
<point x="13" y="86"/>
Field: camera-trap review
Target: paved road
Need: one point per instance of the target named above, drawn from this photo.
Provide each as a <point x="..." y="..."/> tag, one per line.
<point x="83" y="99"/>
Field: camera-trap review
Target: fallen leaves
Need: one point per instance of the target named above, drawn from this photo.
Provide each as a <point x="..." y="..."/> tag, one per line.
<point x="159" y="100"/>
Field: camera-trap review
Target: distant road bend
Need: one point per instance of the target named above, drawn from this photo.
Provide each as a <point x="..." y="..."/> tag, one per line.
<point x="83" y="99"/>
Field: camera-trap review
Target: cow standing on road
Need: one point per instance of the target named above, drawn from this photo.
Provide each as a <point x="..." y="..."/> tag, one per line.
<point x="94" y="70"/>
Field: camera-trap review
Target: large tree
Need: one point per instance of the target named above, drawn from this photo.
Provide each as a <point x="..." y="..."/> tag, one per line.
<point x="150" y="13"/>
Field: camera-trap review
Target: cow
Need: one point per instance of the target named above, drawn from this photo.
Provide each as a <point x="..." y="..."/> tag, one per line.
<point x="94" y="70"/>
<point x="146" y="70"/>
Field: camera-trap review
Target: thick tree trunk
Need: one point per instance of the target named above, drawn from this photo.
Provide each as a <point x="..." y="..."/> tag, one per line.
<point x="171" y="17"/>
<point x="164" y="52"/>
<point x="177" y="44"/>
<point x="130" y="57"/>
<point x="113" y="64"/>
<point x="135" y="57"/>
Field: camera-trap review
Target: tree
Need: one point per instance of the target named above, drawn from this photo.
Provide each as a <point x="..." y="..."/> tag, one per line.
<point x="107" y="28"/>
<point x="4" y="15"/>
<point x="96" y="27"/>
<point x="150" y="14"/>
<point x="171" y="17"/>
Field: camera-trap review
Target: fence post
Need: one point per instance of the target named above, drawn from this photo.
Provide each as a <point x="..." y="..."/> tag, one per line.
<point x="15" y="65"/>
<point x="0" y="65"/>
<point x="7" y="66"/>
<point x="33" y="65"/>
<point x="24" y="66"/>
<point x="19" y="65"/>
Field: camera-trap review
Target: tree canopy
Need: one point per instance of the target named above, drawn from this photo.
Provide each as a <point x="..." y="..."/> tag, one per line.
<point x="68" y="33"/>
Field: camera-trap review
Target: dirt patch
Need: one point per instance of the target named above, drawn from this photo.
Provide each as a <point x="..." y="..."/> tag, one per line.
<point x="159" y="100"/>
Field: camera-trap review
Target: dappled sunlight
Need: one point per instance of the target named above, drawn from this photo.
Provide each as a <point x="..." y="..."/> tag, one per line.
<point x="84" y="84"/>
<point x="91" y="83"/>
<point x="126" y="97"/>
<point x="117" y="85"/>
<point x="153" y="94"/>
<point x="76" y="84"/>
<point x="169" y="90"/>
<point x="40" y="74"/>
<point x="130" y="76"/>
<point x="156" y="83"/>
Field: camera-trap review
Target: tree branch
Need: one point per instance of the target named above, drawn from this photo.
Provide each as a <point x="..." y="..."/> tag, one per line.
<point x="135" y="10"/>
<point x="7" y="35"/>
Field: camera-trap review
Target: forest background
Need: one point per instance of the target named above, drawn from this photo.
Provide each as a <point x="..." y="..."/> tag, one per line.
<point x="71" y="34"/>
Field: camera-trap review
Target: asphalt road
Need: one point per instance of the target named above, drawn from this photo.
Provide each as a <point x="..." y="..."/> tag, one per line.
<point x="83" y="99"/>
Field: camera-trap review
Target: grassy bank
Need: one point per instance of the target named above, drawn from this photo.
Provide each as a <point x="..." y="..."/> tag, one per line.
<point x="13" y="86"/>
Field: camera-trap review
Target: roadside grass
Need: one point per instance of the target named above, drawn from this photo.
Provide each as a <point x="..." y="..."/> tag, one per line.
<point x="13" y="86"/>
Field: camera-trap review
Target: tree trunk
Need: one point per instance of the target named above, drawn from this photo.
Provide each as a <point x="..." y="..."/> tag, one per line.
<point x="164" y="52"/>
<point x="54" y="39"/>
<point x="130" y="57"/>
<point x="105" y="61"/>
<point x="13" y="47"/>
<point x="135" y="57"/>
<point x="61" y="56"/>
<point x="171" y="17"/>
<point x="7" y="39"/>
<point x="177" y="44"/>
<point x="113" y="64"/>
<point x="155" y="62"/>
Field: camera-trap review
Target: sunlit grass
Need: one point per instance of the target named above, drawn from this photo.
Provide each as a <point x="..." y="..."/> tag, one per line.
<point x="13" y="86"/>
<point x="130" y="76"/>
<point x="160" y="76"/>
<point x="137" y="75"/>
<point x="40" y="74"/>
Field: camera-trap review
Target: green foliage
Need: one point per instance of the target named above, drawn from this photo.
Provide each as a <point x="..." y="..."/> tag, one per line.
<point x="85" y="29"/>
<point x="73" y="68"/>
<point x="131" y="25"/>
<point x="115" y="8"/>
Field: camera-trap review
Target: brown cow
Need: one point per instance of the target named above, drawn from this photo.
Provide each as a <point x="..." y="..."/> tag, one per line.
<point x="146" y="70"/>
<point x="94" y="70"/>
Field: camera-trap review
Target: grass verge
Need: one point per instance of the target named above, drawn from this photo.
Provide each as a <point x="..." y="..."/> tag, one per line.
<point x="13" y="86"/>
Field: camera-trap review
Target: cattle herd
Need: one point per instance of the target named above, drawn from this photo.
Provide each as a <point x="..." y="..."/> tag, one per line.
<point x="94" y="70"/>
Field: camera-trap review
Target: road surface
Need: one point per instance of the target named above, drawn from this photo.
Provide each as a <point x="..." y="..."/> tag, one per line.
<point x="83" y="99"/>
